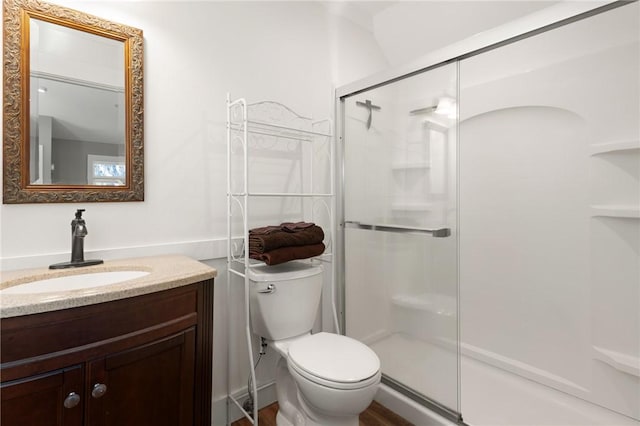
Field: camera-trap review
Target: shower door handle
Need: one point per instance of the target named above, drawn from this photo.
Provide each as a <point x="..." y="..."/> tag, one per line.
<point x="437" y="232"/>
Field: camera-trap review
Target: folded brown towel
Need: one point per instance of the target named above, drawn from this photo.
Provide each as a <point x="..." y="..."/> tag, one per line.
<point x="264" y="242"/>
<point x="265" y="230"/>
<point x="295" y="227"/>
<point x="285" y="254"/>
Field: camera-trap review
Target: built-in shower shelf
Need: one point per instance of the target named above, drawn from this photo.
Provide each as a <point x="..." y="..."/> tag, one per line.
<point x="622" y="362"/>
<point x="413" y="207"/>
<point x="412" y="165"/>
<point x="437" y="303"/>
<point x="438" y="125"/>
<point x="624" y="145"/>
<point x="621" y="211"/>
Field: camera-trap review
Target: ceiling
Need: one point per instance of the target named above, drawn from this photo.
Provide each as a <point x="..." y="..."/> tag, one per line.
<point x="407" y="30"/>
<point x="358" y="12"/>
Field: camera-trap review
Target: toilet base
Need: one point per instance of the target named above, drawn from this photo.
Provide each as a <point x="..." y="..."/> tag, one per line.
<point x="281" y="420"/>
<point x="302" y="420"/>
<point x="286" y="392"/>
<point x="294" y="411"/>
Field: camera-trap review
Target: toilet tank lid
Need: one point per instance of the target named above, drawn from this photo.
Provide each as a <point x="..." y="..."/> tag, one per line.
<point x="334" y="357"/>
<point x="283" y="272"/>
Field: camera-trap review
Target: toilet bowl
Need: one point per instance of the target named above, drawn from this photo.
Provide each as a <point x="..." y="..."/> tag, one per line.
<point x="322" y="379"/>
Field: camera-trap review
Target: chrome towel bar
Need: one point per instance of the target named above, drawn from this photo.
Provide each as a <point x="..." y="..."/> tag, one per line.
<point x="437" y="233"/>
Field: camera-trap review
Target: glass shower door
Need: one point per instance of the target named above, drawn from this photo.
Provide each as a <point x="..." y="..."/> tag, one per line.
<point x="400" y="231"/>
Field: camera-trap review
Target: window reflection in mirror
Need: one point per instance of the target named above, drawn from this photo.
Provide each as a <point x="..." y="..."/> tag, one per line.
<point x="77" y="107"/>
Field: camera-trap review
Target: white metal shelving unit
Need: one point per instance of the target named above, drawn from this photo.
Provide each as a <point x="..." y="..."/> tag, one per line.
<point x="296" y="169"/>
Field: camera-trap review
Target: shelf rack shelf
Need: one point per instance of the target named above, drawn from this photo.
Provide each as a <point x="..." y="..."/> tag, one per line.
<point x="268" y="126"/>
<point x="269" y="129"/>
<point x="283" y="194"/>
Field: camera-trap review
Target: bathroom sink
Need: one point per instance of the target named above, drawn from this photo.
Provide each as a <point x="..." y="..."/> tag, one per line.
<point x="74" y="282"/>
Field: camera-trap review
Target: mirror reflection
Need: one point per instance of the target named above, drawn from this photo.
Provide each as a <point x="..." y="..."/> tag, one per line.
<point x="77" y="107"/>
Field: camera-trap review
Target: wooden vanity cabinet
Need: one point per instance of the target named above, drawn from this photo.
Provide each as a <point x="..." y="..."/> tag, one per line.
<point x="144" y="360"/>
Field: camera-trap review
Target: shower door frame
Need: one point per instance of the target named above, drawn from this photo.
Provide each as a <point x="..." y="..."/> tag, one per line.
<point x="545" y="20"/>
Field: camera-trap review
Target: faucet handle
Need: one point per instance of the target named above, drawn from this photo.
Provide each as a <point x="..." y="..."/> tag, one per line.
<point x="80" y="230"/>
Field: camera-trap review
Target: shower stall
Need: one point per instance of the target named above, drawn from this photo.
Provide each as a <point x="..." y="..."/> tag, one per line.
<point x="490" y="211"/>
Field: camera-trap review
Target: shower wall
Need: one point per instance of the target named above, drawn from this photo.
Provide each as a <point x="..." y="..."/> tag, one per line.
<point x="550" y="212"/>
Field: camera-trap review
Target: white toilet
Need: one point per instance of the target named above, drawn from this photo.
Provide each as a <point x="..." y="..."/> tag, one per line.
<point x="322" y="379"/>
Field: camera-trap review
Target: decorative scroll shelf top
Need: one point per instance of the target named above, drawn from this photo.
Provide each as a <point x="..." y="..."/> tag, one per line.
<point x="274" y="118"/>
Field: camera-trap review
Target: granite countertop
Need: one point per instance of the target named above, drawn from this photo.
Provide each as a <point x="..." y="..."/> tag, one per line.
<point x="165" y="272"/>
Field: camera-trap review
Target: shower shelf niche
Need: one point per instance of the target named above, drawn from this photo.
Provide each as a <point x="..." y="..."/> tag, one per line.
<point x="437" y="303"/>
<point x="622" y="362"/>
<point x="619" y="211"/>
<point x="415" y="165"/>
<point x="623" y="145"/>
<point x="413" y="207"/>
<point x="623" y="153"/>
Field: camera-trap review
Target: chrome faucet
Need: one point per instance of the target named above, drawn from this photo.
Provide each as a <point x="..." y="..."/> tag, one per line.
<point x="78" y="232"/>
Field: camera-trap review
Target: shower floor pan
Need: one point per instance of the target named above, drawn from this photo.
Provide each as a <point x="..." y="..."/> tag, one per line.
<point x="490" y="396"/>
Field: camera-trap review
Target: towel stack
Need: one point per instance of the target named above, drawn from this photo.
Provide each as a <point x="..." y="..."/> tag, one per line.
<point x="287" y="241"/>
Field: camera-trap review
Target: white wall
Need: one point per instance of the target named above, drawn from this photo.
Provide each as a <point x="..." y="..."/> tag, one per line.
<point x="196" y="52"/>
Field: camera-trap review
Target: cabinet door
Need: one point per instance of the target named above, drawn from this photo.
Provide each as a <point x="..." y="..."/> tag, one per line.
<point x="50" y="399"/>
<point x="147" y="385"/>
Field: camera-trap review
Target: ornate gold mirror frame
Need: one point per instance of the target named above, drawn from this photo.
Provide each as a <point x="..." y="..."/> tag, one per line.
<point x="16" y="108"/>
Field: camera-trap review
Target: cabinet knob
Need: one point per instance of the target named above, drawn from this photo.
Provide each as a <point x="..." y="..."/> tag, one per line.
<point x="98" y="391"/>
<point x="71" y="400"/>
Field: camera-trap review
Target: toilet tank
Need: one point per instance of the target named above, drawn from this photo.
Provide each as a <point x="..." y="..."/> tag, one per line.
<point x="290" y="308"/>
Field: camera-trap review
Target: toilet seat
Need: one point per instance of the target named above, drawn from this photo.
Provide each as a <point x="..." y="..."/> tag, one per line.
<point x="334" y="361"/>
<point x="373" y="380"/>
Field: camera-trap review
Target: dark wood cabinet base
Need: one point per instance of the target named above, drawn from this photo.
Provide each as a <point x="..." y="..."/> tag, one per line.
<point x="131" y="362"/>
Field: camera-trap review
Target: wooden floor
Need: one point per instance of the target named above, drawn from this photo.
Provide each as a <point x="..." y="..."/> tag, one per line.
<point x="375" y="415"/>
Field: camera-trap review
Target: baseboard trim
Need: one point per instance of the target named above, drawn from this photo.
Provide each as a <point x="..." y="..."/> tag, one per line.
<point x="266" y="396"/>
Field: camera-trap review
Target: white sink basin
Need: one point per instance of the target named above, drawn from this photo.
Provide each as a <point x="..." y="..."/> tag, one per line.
<point x="74" y="282"/>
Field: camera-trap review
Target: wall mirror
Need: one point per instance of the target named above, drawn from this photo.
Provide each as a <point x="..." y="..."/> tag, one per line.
<point x="73" y="106"/>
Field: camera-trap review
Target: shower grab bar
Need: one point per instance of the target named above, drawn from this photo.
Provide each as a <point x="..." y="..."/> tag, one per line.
<point x="437" y="233"/>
